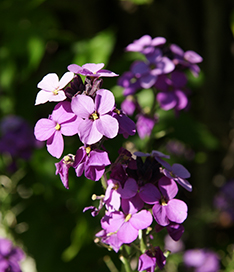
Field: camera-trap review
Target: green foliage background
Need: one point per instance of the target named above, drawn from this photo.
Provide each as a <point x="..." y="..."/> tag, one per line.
<point x="38" y="37"/>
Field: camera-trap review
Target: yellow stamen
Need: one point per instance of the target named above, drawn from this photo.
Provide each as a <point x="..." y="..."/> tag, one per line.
<point x="55" y="92"/>
<point x="163" y="202"/>
<point x="94" y="116"/>
<point x="57" y="127"/>
<point x="87" y="149"/>
<point x="127" y="218"/>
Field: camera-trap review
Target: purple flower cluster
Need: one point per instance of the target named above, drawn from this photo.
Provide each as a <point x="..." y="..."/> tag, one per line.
<point x="141" y="188"/>
<point x="137" y="192"/>
<point x="83" y="109"/>
<point x="16" y="139"/>
<point x="10" y="256"/>
<point x="163" y="70"/>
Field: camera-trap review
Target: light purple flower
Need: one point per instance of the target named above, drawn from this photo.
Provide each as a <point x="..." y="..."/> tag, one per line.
<point x="129" y="105"/>
<point x="95" y="120"/>
<point x="127" y="223"/>
<point x="110" y="239"/>
<point x="52" y="88"/>
<point x="172" y="245"/>
<point x="62" y="168"/>
<point x="91" y="69"/>
<point x="178" y="173"/>
<point x="188" y="59"/>
<point x="91" y="161"/>
<point x="10" y="256"/>
<point x="145" y="44"/>
<point x="151" y="258"/>
<point x="202" y="260"/>
<point x="115" y="192"/>
<point x="62" y="121"/>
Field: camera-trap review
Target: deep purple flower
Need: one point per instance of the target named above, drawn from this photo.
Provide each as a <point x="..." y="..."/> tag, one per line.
<point x="91" y="161"/>
<point x="127" y="223"/>
<point x="52" y="88"/>
<point x="91" y="69"/>
<point x="145" y="125"/>
<point x="145" y="44"/>
<point x="16" y="139"/>
<point x="202" y="260"/>
<point x="62" y="121"/>
<point x="178" y="173"/>
<point x="129" y="82"/>
<point x="172" y="91"/>
<point x="126" y="125"/>
<point x="174" y="230"/>
<point x="10" y="256"/>
<point x="95" y="120"/>
<point x="62" y="168"/>
<point x="149" y="70"/>
<point x="151" y="258"/>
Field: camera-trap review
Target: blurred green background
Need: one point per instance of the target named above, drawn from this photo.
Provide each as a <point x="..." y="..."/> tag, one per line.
<point x="39" y="37"/>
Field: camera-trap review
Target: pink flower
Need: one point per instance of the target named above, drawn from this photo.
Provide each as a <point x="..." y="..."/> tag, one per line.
<point x="51" y="88"/>
<point x="95" y="120"/>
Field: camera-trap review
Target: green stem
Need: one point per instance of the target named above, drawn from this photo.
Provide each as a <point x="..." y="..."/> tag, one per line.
<point x="126" y="263"/>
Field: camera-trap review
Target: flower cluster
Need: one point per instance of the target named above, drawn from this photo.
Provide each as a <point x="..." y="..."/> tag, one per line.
<point x="10" y="256"/>
<point x="162" y="70"/>
<point x="140" y="189"/>
<point x="83" y="109"/>
<point x="16" y="140"/>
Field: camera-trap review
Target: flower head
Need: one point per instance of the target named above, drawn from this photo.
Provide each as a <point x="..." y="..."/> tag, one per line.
<point x="52" y="88"/>
<point x="62" y="121"/>
<point x="96" y="121"/>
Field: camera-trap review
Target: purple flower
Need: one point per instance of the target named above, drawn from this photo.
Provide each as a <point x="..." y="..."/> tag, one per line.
<point x="127" y="223"/>
<point x="91" y="69"/>
<point x="202" y="260"/>
<point x="110" y="239"/>
<point x="129" y="82"/>
<point x="166" y="208"/>
<point x="172" y="92"/>
<point x="172" y="245"/>
<point x="145" y="125"/>
<point x="91" y="161"/>
<point x="52" y="88"/>
<point x="16" y="139"/>
<point x="188" y="59"/>
<point x="115" y="192"/>
<point x="95" y="120"/>
<point x="10" y="256"/>
<point x="62" y="168"/>
<point x="126" y="125"/>
<point x="178" y="173"/>
<point x="145" y="44"/>
<point x="148" y="71"/>
<point x="62" y="121"/>
<point x="129" y="105"/>
<point x="151" y="258"/>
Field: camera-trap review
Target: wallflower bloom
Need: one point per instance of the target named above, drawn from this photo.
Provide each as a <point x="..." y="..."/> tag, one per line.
<point x="151" y="258"/>
<point x="95" y="120"/>
<point x="52" y="88"/>
<point x="10" y="256"/>
<point x="91" y="69"/>
<point x="127" y="223"/>
<point x="62" y="121"/>
<point x="145" y="125"/>
<point x="91" y="162"/>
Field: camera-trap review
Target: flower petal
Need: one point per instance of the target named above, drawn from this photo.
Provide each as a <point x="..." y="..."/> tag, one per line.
<point x="82" y="105"/>
<point x="107" y="126"/>
<point x="44" y="129"/>
<point x="50" y="82"/>
<point x="65" y="79"/>
<point x="88" y="132"/>
<point x="104" y="101"/>
<point x="160" y="215"/>
<point x="176" y="210"/>
<point x="127" y="233"/>
<point x="55" y="144"/>
<point x="141" y="220"/>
